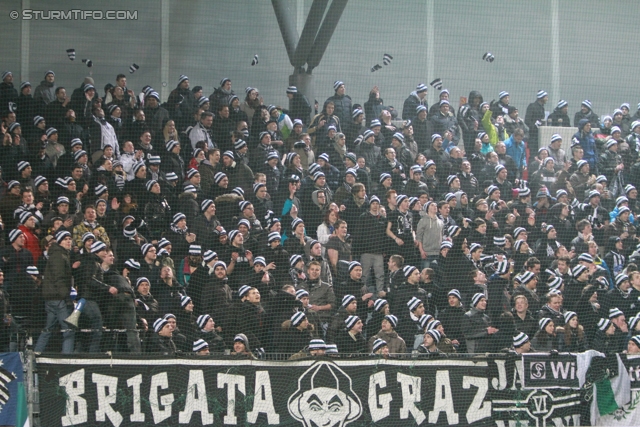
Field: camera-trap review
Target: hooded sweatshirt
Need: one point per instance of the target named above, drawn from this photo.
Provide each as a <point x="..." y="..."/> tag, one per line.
<point x="430" y="234"/>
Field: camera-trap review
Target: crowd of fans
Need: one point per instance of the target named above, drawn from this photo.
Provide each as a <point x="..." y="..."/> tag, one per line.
<point x="222" y="224"/>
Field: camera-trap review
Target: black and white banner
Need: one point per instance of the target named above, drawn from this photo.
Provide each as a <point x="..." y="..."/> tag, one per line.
<point x="544" y="371"/>
<point x="480" y="391"/>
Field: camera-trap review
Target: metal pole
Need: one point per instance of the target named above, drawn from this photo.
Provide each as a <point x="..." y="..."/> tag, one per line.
<point x="287" y="25"/>
<point x="299" y="16"/>
<point x="326" y="31"/>
<point x="307" y="38"/>
<point x="555" y="52"/>
<point x="164" y="50"/>
<point x="25" y="32"/>
<point x="431" y="56"/>
<point x="29" y="361"/>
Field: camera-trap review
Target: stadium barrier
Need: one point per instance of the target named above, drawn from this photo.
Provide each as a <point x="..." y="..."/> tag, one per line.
<point x="494" y="389"/>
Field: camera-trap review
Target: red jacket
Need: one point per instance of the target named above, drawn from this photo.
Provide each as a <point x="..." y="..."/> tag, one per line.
<point x="32" y="243"/>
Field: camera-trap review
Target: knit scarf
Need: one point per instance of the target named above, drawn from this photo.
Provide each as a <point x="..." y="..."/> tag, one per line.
<point x="555" y="312"/>
<point x="177" y="230"/>
<point x="340" y="149"/>
<point x="618" y="262"/>
<point x="624" y="294"/>
<point x="359" y="201"/>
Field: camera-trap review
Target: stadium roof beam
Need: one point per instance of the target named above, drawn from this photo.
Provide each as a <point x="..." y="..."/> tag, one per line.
<point x="310" y="46"/>
<point x="326" y="31"/>
<point x="309" y="33"/>
<point x="287" y="25"/>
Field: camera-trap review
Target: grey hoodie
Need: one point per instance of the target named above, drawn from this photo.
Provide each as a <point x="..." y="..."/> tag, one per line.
<point x="45" y="91"/>
<point x="430" y="234"/>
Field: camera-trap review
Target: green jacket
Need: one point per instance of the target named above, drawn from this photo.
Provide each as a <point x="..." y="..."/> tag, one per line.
<point x="56" y="283"/>
<point x="491" y="129"/>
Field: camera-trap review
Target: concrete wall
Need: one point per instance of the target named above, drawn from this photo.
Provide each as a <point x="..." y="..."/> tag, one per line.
<point x="208" y="40"/>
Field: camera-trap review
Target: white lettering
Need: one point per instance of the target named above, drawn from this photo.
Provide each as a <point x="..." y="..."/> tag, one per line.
<point x="160" y="410"/>
<point x="134" y="383"/>
<point x="231" y="381"/>
<point x="513" y="423"/>
<point x="76" y="406"/>
<point x="379" y="405"/>
<point x="518" y="375"/>
<point x="196" y="400"/>
<point x="569" y="420"/>
<point x="500" y="383"/>
<point x="410" y="396"/>
<point x="107" y="391"/>
<point x="478" y="409"/>
<point x="563" y="369"/>
<point x="540" y="402"/>
<point x="263" y="400"/>
<point x="443" y="401"/>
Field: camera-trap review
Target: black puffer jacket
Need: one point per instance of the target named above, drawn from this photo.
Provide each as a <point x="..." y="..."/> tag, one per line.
<point x="373" y="107"/>
<point x="157" y="215"/>
<point x="468" y="116"/>
<point x="91" y="284"/>
<point x="370" y="152"/>
<point x="410" y="105"/>
<point x="343" y="107"/>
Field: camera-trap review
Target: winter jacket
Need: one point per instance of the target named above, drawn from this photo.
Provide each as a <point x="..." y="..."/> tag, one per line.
<point x="299" y="108"/>
<point x="348" y="344"/>
<point x="220" y="97"/>
<point x="90" y="279"/>
<point x="468" y="117"/>
<point x="410" y="104"/>
<point x="45" y="92"/>
<point x="607" y="163"/>
<point x="475" y="327"/>
<point x="510" y="125"/>
<point x="155" y="118"/>
<point x="441" y="123"/>
<point x="320" y="293"/>
<point x="533" y="118"/>
<point x="57" y="278"/>
<point x="200" y="133"/>
<point x="251" y="321"/>
<point x="495" y="135"/>
<point x="343" y="107"/>
<point x="370" y="152"/>
<point x="395" y="343"/>
<point x="558" y="118"/>
<point x="173" y="163"/>
<point x="157" y="215"/>
<point x="517" y="152"/>
<point x="452" y="320"/>
<point x="588" y="144"/>
<point x="221" y="130"/>
<point x="240" y="175"/>
<point x="592" y="117"/>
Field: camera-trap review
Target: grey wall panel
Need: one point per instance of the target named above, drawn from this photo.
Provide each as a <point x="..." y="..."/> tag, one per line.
<point x="209" y="40"/>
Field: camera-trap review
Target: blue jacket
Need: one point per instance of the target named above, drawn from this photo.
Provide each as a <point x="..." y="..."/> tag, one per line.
<point x="588" y="144"/>
<point x="614" y="214"/>
<point x="517" y="152"/>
